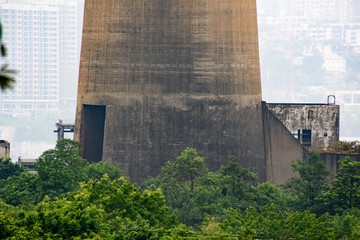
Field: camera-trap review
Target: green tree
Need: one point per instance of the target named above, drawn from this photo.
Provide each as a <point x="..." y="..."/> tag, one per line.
<point x="18" y="224"/>
<point x="270" y="223"/>
<point x="182" y="174"/>
<point x="344" y="192"/>
<point x="8" y="168"/>
<point x="151" y="183"/>
<point x="266" y="194"/>
<point x="192" y="191"/>
<point x="10" y="188"/>
<point x="309" y="185"/>
<point x="95" y="171"/>
<point x="61" y="169"/>
<point x="109" y="209"/>
<point x="347" y="224"/>
<point x="187" y="168"/>
<point x="237" y="178"/>
<point x="179" y="182"/>
<point x="12" y="226"/>
<point x="20" y="189"/>
<point x="102" y="209"/>
<point x="206" y="198"/>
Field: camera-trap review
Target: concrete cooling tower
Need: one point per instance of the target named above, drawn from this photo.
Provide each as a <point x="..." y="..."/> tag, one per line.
<point x="157" y="76"/>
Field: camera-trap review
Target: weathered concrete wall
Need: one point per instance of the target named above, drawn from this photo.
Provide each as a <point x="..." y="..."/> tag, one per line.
<point x="332" y="159"/>
<point x="322" y="119"/>
<point x="281" y="148"/>
<point x="4" y="149"/>
<point x="173" y="74"/>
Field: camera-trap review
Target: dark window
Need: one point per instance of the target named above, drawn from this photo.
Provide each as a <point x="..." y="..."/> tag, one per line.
<point x="306" y="137"/>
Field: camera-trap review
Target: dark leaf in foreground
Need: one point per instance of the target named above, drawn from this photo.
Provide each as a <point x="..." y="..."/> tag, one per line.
<point x="3" y="50"/>
<point x="6" y="82"/>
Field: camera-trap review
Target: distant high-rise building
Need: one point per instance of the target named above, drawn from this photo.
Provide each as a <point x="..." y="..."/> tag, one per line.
<point x="331" y="11"/>
<point x="346" y="10"/>
<point x="31" y="33"/>
<point x="69" y="47"/>
<point x="324" y="10"/>
<point x="356" y="9"/>
<point x="42" y="40"/>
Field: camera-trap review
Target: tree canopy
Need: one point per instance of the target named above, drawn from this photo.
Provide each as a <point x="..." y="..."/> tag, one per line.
<point x="312" y="179"/>
<point x="72" y="199"/>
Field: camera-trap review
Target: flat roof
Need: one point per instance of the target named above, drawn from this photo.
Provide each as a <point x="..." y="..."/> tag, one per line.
<point x="28" y="160"/>
<point x="302" y="104"/>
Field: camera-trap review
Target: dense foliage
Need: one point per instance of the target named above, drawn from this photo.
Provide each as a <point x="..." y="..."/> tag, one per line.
<point x="344" y="192"/>
<point x="72" y="199"/>
<point x="60" y="170"/>
<point x="309" y="186"/>
<point x="101" y="209"/>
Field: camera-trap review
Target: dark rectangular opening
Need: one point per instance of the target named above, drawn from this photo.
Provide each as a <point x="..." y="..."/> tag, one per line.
<point x="306" y="137"/>
<point x="29" y="166"/>
<point x="93" y="132"/>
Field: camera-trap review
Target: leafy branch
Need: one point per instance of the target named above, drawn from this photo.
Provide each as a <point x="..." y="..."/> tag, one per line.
<point x="6" y="75"/>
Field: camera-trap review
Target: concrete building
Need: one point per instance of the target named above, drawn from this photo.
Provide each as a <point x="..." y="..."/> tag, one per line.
<point x="28" y="163"/>
<point x="348" y="97"/>
<point x="334" y="63"/>
<point x="314" y="125"/>
<point x="352" y="36"/>
<point x="159" y="76"/>
<point x="4" y="149"/>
